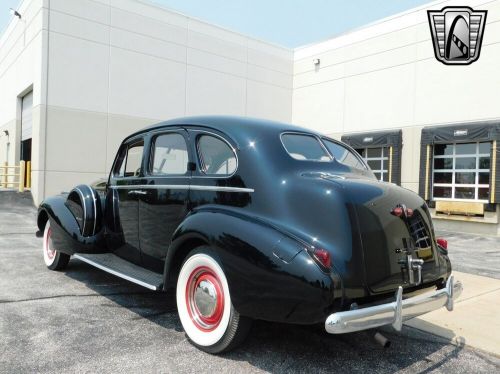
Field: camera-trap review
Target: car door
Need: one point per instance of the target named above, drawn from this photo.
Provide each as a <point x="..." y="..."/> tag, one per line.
<point x="122" y="197"/>
<point x="164" y="203"/>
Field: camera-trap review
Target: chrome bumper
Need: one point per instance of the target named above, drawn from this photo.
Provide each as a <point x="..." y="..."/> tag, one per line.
<point x="393" y="313"/>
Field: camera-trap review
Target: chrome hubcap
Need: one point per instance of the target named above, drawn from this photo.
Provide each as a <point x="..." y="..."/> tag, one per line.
<point x="205" y="298"/>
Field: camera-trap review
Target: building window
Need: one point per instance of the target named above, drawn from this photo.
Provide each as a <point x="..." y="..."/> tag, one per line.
<point x="461" y="171"/>
<point x="378" y="160"/>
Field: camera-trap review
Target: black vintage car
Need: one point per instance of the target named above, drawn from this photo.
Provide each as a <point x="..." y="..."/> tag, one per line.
<point x="252" y="219"/>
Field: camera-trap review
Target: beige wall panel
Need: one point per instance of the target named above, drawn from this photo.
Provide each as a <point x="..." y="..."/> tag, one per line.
<point x="216" y="32"/>
<point x="78" y="73"/>
<point x="119" y="127"/>
<point x="379" y="100"/>
<point x="150" y="10"/>
<point x="270" y="61"/>
<point x="456" y="94"/>
<point x="145" y="86"/>
<point x="328" y="58"/>
<point x="272" y="77"/>
<point x="220" y="47"/>
<point x="320" y="75"/>
<point x="210" y="92"/>
<point x="215" y="62"/>
<point x="320" y="107"/>
<point x="410" y="160"/>
<point x="75" y="140"/>
<point x="63" y="181"/>
<point x="271" y="102"/>
<point x="78" y="27"/>
<point x="148" y="26"/>
<point x="92" y="10"/>
<point x="147" y="45"/>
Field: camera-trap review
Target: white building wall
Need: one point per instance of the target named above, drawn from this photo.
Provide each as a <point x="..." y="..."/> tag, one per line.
<point x="385" y="76"/>
<point x="20" y="72"/>
<point x="116" y="66"/>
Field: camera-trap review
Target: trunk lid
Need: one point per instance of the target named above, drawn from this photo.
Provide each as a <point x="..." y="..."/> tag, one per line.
<point x="393" y="247"/>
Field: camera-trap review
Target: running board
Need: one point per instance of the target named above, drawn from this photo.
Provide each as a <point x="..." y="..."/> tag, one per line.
<point x="123" y="269"/>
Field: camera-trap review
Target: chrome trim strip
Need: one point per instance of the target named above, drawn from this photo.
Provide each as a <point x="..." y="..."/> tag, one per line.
<point x="394" y="313"/>
<point x="84" y="209"/>
<point x="95" y="208"/>
<point x="184" y="187"/>
<point x="117" y="273"/>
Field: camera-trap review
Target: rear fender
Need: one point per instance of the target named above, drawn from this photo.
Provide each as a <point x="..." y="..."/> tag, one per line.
<point x="270" y="275"/>
<point x="76" y="221"/>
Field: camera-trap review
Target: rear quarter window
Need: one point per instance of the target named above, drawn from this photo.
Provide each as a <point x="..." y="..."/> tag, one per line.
<point x="344" y="155"/>
<point x="304" y="147"/>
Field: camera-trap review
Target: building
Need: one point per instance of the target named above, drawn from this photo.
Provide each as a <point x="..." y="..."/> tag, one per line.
<point x="88" y="72"/>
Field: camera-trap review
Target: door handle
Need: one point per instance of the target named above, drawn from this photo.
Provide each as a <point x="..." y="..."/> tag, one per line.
<point x="137" y="192"/>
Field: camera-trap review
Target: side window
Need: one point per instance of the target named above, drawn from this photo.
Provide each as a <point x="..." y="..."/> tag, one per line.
<point x="344" y="155"/>
<point x="304" y="147"/>
<point x="169" y="155"/>
<point x="130" y="160"/>
<point x="216" y="156"/>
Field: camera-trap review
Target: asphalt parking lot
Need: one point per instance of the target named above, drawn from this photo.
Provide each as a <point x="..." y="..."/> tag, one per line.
<point x="84" y="320"/>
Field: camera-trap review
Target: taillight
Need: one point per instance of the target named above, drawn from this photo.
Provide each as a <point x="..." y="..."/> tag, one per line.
<point x="442" y="242"/>
<point x="398" y="211"/>
<point x="323" y="257"/>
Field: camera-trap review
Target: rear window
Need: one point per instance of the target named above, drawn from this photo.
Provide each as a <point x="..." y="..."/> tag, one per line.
<point x="344" y="155"/>
<point x="304" y="147"/>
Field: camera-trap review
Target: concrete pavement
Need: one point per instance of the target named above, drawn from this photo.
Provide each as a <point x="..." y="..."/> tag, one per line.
<point x="475" y="320"/>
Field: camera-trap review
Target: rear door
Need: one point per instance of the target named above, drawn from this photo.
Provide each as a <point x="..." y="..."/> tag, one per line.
<point x="163" y="204"/>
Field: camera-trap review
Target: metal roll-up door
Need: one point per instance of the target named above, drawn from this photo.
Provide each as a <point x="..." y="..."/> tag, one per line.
<point x="390" y="141"/>
<point x="27" y="117"/>
<point x="486" y="131"/>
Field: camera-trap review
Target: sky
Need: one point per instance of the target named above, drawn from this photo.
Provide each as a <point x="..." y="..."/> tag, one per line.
<point x="290" y="23"/>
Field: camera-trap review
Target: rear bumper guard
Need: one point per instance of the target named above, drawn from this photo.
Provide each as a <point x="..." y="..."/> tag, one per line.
<point x="394" y="313"/>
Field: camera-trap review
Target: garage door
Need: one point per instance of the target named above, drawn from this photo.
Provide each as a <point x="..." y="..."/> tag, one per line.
<point x="27" y="117"/>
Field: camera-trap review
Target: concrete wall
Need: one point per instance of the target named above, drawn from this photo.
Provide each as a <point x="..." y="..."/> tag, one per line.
<point x="385" y="76"/>
<point x="21" y="68"/>
<point x="115" y="66"/>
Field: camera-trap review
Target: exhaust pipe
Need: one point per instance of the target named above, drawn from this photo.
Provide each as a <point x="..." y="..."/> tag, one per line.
<point x="382" y="340"/>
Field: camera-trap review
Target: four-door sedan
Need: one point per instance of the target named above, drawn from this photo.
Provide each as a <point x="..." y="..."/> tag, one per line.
<point x="252" y="219"/>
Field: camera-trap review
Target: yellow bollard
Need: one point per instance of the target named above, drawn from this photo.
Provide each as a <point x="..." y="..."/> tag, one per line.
<point x="28" y="174"/>
<point x="22" y="171"/>
<point x="4" y="179"/>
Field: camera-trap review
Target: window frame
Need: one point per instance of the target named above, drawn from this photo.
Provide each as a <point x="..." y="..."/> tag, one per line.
<point x="199" y="158"/>
<point x="310" y="135"/>
<point x="453" y="171"/>
<point x="381" y="159"/>
<point x="124" y="148"/>
<point x="153" y="137"/>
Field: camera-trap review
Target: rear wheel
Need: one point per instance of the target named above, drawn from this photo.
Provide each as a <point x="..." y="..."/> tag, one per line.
<point x="54" y="259"/>
<point x="204" y="304"/>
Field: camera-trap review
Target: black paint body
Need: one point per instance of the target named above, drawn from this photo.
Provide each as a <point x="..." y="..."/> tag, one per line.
<point x="263" y="238"/>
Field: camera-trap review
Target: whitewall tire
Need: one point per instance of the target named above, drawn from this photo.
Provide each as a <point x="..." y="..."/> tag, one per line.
<point x="204" y="304"/>
<point x="53" y="259"/>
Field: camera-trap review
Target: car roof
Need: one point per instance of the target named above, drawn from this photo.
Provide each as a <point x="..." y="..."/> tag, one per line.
<point x="238" y="128"/>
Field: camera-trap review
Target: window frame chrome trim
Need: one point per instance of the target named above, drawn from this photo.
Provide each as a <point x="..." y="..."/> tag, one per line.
<point x="198" y="159"/>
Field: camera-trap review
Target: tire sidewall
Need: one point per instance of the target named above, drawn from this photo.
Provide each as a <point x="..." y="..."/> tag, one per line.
<point x="49" y="262"/>
<point x="196" y="259"/>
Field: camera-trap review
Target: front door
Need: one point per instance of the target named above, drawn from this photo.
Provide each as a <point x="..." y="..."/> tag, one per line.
<point x="163" y="204"/>
<point x="123" y="195"/>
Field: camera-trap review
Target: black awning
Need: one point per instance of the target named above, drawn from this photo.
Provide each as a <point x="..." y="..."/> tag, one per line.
<point x="374" y="139"/>
<point x="462" y="132"/>
<point x="393" y="139"/>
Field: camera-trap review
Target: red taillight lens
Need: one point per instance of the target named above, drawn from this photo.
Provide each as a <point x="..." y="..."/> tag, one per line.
<point x="323" y="257"/>
<point x="398" y="211"/>
<point x="442" y="242"/>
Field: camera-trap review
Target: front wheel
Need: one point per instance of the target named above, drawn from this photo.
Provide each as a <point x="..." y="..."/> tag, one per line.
<point x="204" y="304"/>
<point x="54" y="259"/>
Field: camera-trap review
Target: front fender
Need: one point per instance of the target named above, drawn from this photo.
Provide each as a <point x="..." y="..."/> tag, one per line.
<point x="270" y="275"/>
<point x="66" y="233"/>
